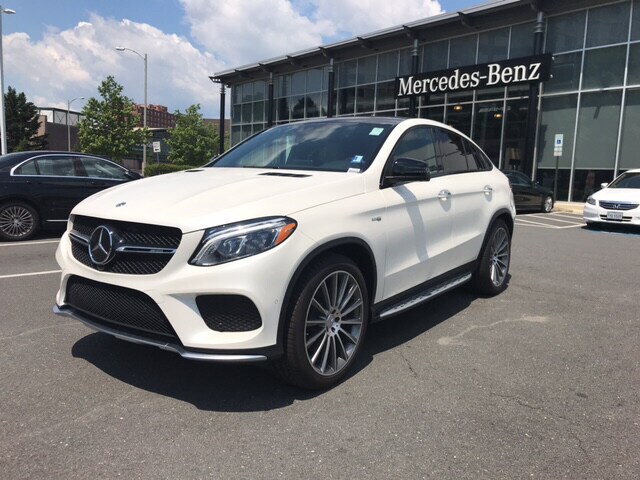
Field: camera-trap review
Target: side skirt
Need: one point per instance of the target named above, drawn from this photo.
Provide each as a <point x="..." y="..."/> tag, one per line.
<point x="422" y="293"/>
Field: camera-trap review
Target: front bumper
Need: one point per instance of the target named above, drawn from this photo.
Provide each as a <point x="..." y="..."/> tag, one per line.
<point x="263" y="279"/>
<point x="597" y="214"/>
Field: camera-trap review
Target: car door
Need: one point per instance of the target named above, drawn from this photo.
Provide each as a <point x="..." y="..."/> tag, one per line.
<point x="418" y="247"/>
<point x="471" y="185"/>
<point x="58" y="186"/>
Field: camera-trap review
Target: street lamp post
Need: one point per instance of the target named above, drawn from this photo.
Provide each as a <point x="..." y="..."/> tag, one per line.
<point x="3" y="127"/>
<point x="69" y="102"/>
<point x="144" y="110"/>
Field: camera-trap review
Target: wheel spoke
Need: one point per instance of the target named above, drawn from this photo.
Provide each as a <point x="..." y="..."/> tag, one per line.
<point x="316" y="304"/>
<point x="351" y="338"/>
<point x="327" y="347"/>
<point x="315" y="355"/>
<point x="355" y="305"/>
<point x="313" y="339"/>
<point x="334" y="354"/>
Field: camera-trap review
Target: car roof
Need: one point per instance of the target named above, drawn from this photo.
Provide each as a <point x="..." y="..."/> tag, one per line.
<point x="14" y="158"/>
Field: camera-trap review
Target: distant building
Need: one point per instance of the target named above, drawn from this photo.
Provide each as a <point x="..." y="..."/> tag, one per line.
<point x="158" y="116"/>
<point x="53" y="123"/>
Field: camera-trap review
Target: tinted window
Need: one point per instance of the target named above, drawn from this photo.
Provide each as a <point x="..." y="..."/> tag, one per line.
<point x="27" y="168"/>
<point x="452" y="152"/>
<point x="99" y="168"/>
<point x="419" y="144"/>
<point x="58" y="166"/>
<point x="518" y="178"/>
<point x="475" y="159"/>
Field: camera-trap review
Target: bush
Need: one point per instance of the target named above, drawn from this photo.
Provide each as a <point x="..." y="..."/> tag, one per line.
<point x="153" y="169"/>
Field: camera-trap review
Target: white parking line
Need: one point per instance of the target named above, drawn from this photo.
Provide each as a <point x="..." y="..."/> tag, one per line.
<point x="16" y="275"/>
<point x="553" y="219"/>
<point x="18" y="244"/>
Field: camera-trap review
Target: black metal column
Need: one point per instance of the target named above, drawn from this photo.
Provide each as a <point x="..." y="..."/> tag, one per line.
<point x="534" y="91"/>
<point x="270" y="106"/>
<point x="415" y="65"/>
<point x="222" y="102"/>
<point x="331" y="95"/>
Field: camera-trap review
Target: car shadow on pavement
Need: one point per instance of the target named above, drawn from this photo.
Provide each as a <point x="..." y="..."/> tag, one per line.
<point x="243" y="388"/>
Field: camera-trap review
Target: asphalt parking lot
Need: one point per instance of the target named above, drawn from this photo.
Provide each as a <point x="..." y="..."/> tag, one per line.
<point x="542" y="381"/>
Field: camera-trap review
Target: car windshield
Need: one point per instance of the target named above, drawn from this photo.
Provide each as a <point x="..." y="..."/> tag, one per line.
<point x="626" y="180"/>
<point x="331" y="146"/>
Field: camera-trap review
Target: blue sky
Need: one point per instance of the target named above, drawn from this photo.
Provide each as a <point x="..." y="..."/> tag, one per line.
<point x="55" y="50"/>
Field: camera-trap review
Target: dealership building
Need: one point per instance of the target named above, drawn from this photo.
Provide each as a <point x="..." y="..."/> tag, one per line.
<point x="548" y="87"/>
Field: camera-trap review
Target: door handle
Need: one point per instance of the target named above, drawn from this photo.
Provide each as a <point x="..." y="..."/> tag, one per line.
<point x="444" y="195"/>
<point x="488" y="190"/>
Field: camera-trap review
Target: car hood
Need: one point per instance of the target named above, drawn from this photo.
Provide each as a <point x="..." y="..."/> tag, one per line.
<point x="203" y="198"/>
<point x="627" y="195"/>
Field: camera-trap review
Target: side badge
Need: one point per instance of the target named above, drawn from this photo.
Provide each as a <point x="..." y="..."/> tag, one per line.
<point x="121" y="204"/>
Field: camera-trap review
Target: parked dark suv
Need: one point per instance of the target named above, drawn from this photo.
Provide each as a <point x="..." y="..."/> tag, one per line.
<point x="39" y="189"/>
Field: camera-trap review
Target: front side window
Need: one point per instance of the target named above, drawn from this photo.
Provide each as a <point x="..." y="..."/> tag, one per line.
<point x="419" y="144"/>
<point x="336" y="146"/>
<point x="98" y="168"/>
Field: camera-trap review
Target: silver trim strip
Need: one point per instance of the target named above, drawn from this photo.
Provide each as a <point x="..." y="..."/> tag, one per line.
<point x="210" y="357"/>
<point x="136" y="249"/>
<point x="424" y="296"/>
<point x="78" y="237"/>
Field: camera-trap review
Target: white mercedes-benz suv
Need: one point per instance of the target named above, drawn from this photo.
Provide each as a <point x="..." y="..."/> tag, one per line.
<point x="288" y="246"/>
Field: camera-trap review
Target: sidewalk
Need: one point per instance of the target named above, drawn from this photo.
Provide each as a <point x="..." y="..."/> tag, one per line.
<point x="568" y="207"/>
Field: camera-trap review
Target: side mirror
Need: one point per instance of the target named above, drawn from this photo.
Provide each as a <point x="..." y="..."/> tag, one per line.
<point x="132" y="175"/>
<point x="604" y="185"/>
<point x="405" y="170"/>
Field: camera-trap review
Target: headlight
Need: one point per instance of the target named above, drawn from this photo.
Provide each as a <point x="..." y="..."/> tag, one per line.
<point x="239" y="240"/>
<point x="591" y="200"/>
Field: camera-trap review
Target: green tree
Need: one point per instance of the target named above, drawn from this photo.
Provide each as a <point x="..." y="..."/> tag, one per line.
<point x="109" y="125"/>
<point x="22" y="123"/>
<point x="192" y="141"/>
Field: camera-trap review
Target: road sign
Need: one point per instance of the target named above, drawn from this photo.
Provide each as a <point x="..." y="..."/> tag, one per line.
<point x="557" y="145"/>
<point x="156" y="147"/>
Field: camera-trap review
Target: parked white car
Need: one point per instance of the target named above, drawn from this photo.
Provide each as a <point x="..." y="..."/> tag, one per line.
<point x="286" y="247"/>
<point x="616" y="203"/>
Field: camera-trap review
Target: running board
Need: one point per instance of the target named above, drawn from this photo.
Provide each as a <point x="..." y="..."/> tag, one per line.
<point x="424" y="296"/>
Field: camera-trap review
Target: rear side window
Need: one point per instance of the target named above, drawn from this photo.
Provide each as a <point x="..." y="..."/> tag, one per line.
<point x="56" y="166"/>
<point x="452" y="152"/>
<point x="27" y="168"/>
<point x="476" y="160"/>
<point x="419" y="144"/>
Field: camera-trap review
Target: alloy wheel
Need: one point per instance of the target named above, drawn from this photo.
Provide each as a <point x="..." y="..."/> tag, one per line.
<point x="334" y="322"/>
<point x="16" y="221"/>
<point x="499" y="256"/>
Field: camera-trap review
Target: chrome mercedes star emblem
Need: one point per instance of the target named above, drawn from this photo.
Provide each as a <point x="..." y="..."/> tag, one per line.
<point x="101" y="245"/>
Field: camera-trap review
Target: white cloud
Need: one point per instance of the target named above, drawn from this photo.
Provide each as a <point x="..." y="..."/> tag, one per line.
<point x="72" y="63"/>
<point x="246" y="31"/>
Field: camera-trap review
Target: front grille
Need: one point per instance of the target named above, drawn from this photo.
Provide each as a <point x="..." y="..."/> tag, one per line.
<point x="607" y="205"/>
<point x="119" y="308"/>
<point x="229" y="313"/>
<point x="130" y="234"/>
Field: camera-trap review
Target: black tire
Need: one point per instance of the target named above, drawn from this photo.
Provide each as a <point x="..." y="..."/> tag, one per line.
<point x="18" y="221"/>
<point x="317" y="341"/>
<point x="547" y="204"/>
<point x="490" y="277"/>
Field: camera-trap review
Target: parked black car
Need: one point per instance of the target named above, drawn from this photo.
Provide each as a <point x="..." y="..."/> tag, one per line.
<point x="529" y="195"/>
<point x="39" y="189"/>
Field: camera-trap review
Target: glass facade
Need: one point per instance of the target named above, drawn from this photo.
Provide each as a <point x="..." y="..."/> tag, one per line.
<point x="593" y="97"/>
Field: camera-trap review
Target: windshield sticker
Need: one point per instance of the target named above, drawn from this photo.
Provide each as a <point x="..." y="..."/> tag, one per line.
<point x="353" y="170"/>
<point x="357" y="159"/>
<point x="376" y="131"/>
